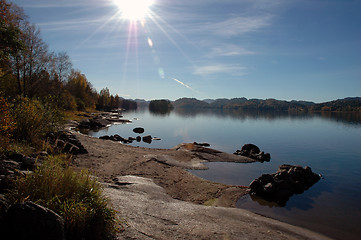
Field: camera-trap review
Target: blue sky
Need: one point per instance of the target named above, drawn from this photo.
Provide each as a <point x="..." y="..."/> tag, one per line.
<point x="283" y="49"/>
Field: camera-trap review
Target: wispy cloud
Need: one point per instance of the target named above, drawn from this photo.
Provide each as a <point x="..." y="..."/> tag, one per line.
<point x="60" y="4"/>
<point x="238" y="25"/>
<point x="71" y="24"/>
<point x="231" y="69"/>
<point x="228" y="50"/>
<point x="185" y="85"/>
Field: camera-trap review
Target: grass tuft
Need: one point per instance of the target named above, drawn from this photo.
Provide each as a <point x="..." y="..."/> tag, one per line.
<point x="210" y="202"/>
<point x="74" y="195"/>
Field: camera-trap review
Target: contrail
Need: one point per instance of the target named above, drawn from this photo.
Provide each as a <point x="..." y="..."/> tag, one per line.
<point x="182" y="83"/>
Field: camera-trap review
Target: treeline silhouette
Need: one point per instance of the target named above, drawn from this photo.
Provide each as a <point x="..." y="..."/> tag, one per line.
<point x="341" y="105"/>
<point x="160" y="106"/>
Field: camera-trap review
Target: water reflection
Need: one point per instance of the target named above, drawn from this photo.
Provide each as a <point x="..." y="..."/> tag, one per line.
<point x="160" y="112"/>
<point x="351" y="118"/>
<point x="304" y="201"/>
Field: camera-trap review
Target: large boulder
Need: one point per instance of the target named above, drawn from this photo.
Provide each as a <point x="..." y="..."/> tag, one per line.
<point x="252" y="151"/>
<point x="28" y="220"/>
<point x="66" y="142"/>
<point x="26" y="163"/>
<point x="94" y="123"/>
<point x="287" y="181"/>
<point x="9" y="170"/>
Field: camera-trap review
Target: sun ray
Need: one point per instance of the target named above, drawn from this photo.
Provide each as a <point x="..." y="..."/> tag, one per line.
<point x="107" y="22"/>
<point x="172" y="28"/>
<point x="170" y="38"/>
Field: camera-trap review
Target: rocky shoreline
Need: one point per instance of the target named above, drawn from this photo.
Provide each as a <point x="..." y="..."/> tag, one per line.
<point x="141" y="181"/>
<point x="156" y="195"/>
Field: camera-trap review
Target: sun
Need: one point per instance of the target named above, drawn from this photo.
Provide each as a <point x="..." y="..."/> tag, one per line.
<point x="134" y="10"/>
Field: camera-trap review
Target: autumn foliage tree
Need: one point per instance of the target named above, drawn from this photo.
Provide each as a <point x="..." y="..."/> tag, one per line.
<point x="82" y="90"/>
<point x="7" y="123"/>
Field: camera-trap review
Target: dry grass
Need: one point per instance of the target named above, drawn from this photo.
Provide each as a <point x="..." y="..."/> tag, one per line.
<point x="76" y="196"/>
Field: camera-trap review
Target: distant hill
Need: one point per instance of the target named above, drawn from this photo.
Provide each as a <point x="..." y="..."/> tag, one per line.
<point x="190" y="103"/>
<point x="208" y="100"/>
<point x="346" y="104"/>
<point x="349" y="104"/>
<point x="142" y="103"/>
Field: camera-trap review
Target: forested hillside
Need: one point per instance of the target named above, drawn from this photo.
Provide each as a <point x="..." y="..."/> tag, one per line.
<point x="347" y="104"/>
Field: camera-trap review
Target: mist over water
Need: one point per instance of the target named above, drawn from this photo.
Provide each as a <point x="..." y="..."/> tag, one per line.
<point x="330" y="143"/>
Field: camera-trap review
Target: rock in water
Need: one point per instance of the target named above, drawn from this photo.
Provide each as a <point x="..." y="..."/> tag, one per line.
<point x="252" y="151"/>
<point x="287" y="181"/>
<point x="138" y="130"/>
<point x="202" y="144"/>
<point x="105" y="137"/>
<point x="147" y="139"/>
<point x="31" y="221"/>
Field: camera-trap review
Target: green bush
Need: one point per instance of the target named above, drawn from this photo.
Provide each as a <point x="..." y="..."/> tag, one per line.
<point x="76" y="196"/>
<point x="35" y="119"/>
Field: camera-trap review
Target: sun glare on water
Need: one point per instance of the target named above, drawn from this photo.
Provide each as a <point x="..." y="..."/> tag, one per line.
<point x="134" y="10"/>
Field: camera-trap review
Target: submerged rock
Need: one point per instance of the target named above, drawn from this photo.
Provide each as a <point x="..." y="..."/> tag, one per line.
<point x="287" y="181"/>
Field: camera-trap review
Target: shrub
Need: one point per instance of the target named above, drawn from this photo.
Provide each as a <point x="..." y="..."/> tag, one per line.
<point x="68" y="101"/>
<point x="76" y="196"/>
<point x="35" y="119"/>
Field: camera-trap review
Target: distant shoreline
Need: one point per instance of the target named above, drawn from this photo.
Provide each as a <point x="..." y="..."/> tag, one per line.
<point x="340" y="105"/>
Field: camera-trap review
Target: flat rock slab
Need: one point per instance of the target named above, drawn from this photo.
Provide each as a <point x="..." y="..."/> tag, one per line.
<point x="167" y="167"/>
<point x="196" y="164"/>
<point x="150" y="213"/>
<point x="205" y="154"/>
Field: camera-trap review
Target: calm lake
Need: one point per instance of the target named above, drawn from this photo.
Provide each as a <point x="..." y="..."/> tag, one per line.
<point x="329" y="143"/>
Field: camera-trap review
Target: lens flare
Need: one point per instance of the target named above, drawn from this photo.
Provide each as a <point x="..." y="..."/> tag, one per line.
<point x="134" y="10"/>
<point x="150" y="42"/>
